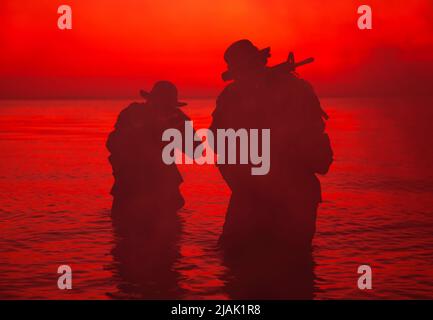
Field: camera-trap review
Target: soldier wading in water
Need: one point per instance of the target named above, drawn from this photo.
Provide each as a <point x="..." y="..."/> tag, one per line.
<point x="270" y="221"/>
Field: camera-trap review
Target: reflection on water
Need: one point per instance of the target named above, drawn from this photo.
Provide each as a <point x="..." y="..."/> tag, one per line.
<point x="55" y="181"/>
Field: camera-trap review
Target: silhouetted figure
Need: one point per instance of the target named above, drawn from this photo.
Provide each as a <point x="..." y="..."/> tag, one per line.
<point x="146" y="195"/>
<point x="270" y="222"/>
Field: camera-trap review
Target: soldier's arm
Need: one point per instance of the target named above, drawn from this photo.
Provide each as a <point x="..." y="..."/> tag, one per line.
<point x="183" y="123"/>
<point x="315" y="146"/>
<point x="121" y="128"/>
<point x="222" y="112"/>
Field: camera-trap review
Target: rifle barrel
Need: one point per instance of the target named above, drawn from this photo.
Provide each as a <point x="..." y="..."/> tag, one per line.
<point x="226" y="76"/>
<point x="303" y="62"/>
<point x="286" y="64"/>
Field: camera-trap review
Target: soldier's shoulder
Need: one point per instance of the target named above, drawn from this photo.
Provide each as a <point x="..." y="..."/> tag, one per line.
<point x="290" y="79"/>
<point x="303" y="84"/>
<point x="131" y="111"/>
<point x="132" y="108"/>
<point x="298" y="85"/>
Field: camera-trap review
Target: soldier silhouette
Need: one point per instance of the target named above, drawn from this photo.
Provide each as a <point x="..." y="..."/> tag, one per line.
<point x="270" y="221"/>
<point x="146" y="195"/>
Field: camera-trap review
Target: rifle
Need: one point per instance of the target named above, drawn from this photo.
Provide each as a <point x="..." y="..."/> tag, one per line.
<point x="289" y="66"/>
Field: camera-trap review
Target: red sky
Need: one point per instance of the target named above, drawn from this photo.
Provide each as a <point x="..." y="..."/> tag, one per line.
<point x="117" y="47"/>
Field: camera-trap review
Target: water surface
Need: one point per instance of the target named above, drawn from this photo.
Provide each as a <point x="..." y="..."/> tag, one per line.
<point x="54" y="202"/>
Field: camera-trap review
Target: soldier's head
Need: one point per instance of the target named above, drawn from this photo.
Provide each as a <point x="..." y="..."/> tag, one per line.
<point x="163" y="95"/>
<point x="244" y="59"/>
